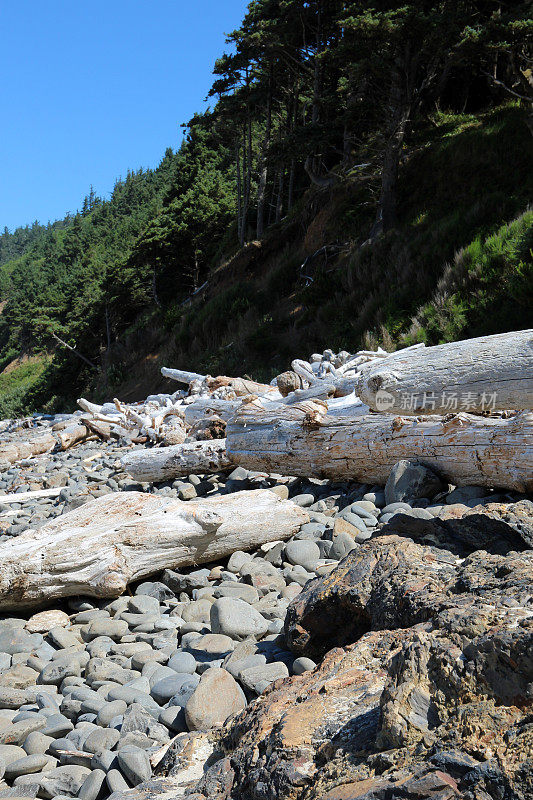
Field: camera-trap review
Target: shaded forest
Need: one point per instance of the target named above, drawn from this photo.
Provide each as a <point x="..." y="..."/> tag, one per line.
<point x="363" y="176"/>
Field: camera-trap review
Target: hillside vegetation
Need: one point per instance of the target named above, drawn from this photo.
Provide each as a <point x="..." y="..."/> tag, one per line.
<point x="364" y="176"/>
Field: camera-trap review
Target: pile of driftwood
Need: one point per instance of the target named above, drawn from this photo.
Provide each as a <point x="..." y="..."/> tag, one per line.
<point x="461" y="408"/>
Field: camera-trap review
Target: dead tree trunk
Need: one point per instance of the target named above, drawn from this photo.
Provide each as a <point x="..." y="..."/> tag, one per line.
<point x="99" y="548"/>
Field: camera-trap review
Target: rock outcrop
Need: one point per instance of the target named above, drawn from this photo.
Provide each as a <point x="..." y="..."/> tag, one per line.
<point x="425" y="690"/>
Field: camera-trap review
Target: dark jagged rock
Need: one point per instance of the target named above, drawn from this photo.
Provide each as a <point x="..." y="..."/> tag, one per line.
<point x="432" y="700"/>
<point x="392" y="582"/>
<point x="496" y="527"/>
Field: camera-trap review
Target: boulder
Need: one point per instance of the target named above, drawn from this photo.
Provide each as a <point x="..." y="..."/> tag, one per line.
<point x="410" y="480"/>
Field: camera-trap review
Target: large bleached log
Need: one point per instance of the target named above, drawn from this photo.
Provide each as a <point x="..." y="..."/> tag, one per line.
<point x="464" y="449"/>
<point x="166" y="463"/>
<point x="14" y="451"/>
<point x="207" y="406"/>
<point x="484" y="374"/>
<point x="99" y="548"/>
<point x="73" y="434"/>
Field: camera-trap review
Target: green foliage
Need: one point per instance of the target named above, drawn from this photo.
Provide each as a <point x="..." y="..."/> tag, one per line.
<point x="376" y="129"/>
<point x="15" y="385"/>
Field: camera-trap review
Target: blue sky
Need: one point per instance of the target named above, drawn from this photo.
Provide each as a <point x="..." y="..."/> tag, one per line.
<point x="90" y="89"/>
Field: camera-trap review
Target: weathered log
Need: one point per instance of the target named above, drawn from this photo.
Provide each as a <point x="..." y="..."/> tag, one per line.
<point x="464" y="449"/>
<point x="166" y="463"/>
<point x="205" y="406"/>
<point x="14" y="451"/>
<point x="73" y="434"/>
<point x="21" y="497"/>
<point x="180" y="375"/>
<point x="101" y="429"/>
<point x="484" y="374"/>
<point x="241" y="386"/>
<point x="102" y="546"/>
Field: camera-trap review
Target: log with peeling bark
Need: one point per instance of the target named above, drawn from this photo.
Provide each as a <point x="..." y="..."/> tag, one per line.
<point x="166" y="463"/>
<point x="99" y="548"/>
<point x="475" y="375"/>
<point x="73" y="434"/>
<point x="302" y="440"/>
<point x="14" y="451"/>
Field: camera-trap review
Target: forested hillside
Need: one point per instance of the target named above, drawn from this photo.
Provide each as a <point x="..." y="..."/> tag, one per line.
<point x="363" y="176"/>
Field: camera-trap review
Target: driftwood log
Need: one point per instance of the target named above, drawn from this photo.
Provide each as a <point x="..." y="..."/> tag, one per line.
<point x="14" y="451"/>
<point x="485" y="374"/>
<point x="166" y="463"/>
<point x="99" y="548"/>
<point x="464" y="449"/>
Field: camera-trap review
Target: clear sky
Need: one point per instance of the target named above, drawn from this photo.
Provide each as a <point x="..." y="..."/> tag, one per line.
<point x="91" y="88"/>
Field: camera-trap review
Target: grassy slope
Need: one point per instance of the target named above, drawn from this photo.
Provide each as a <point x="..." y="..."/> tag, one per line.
<point x="458" y="265"/>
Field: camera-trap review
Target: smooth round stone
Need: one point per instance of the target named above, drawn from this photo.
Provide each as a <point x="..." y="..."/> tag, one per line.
<point x="56" y="726"/>
<point x="211" y="646"/>
<point x="92" y="785"/>
<point x="392" y="508"/>
<point x="311" y="530"/>
<point x="197" y="611"/>
<point x="132" y="696"/>
<point x="17" y="732"/>
<point x="166" y="688"/>
<point x="135" y="764"/>
<point x="237" y="560"/>
<point x="258" y="678"/>
<point x="303" y="500"/>
<point x="12" y="698"/>
<point x="92" y="705"/>
<point x="159" y="673"/>
<point x="369" y="517"/>
<point x="116" y="782"/>
<point x="57" y="745"/>
<point x="101" y="739"/>
<point x="302" y="552"/>
<point x="17" y="640"/>
<point x="173" y="717"/>
<point x="217" y="696"/>
<point x="2" y="767"/>
<point x="105" y="760"/>
<point x="113" y="628"/>
<point x="235" y="589"/>
<point x="138" y="660"/>
<point x="237" y="619"/>
<point x="376" y="498"/>
<point x="143" y="684"/>
<point x="182" y="662"/>
<point x="26" y="766"/>
<point x="109" y="711"/>
<point x="354" y="519"/>
<point x="143" y="604"/>
<point x="302" y="664"/>
<point x="11" y="752"/>
<point x="63" y="780"/>
<point x="36" y="743"/>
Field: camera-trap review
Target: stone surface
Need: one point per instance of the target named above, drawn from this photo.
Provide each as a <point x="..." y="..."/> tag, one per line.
<point x="216" y="697"/>
<point x="496" y="527"/>
<point x="237" y="619"/>
<point x="409" y="480"/>
<point x="430" y="700"/>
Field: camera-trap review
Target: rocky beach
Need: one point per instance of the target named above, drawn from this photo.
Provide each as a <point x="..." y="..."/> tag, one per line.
<point x="369" y="640"/>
